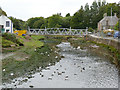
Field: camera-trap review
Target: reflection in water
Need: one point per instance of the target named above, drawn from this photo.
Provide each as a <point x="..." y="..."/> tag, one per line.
<point x="78" y="69"/>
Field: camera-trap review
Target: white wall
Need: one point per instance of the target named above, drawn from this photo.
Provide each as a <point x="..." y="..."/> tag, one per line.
<point x="3" y="20"/>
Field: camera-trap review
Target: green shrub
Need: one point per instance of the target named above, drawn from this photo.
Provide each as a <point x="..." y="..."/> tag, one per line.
<point x="90" y="29"/>
<point x="6" y="43"/>
<point x="12" y="38"/>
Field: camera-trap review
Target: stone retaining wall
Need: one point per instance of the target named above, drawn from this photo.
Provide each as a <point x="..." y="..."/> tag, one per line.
<point x="110" y="42"/>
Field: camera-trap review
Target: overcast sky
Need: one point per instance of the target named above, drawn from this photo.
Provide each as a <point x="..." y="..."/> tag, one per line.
<point x="25" y="9"/>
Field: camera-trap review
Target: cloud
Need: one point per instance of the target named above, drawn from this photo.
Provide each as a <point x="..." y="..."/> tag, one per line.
<point x="24" y="9"/>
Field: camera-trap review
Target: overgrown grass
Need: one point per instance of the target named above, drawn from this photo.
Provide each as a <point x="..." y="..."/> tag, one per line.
<point x="7" y="43"/>
<point x="33" y="48"/>
<point x="12" y="38"/>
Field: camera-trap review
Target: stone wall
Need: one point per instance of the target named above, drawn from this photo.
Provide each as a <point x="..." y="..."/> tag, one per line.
<point x="110" y="42"/>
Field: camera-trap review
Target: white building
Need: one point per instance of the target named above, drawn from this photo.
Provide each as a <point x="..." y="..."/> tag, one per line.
<point x="6" y="23"/>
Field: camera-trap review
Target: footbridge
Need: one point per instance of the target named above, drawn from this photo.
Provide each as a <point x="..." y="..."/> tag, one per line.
<point x="58" y="31"/>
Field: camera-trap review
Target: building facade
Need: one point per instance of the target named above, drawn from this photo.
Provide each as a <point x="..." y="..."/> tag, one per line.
<point x="6" y="24"/>
<point x="108" y="22"/>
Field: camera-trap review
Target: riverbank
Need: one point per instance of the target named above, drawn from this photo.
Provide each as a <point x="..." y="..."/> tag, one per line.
<point x="37" y="53"/>
<point x="40" y="52"/>
<point x="78" y="69"/>
<point x="100" y="47"/>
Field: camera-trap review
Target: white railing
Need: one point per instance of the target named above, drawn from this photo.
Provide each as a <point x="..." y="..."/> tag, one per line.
<point x="58" y="31"/>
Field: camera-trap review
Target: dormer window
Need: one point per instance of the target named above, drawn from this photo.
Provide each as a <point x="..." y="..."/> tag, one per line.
<point x="7" y="24"/>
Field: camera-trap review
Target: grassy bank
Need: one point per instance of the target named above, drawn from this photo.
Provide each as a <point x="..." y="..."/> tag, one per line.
<point x="38" y="51"/>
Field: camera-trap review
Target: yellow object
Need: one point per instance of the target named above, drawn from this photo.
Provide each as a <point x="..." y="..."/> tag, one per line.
<point x="106" y="31"/>
<point x="20" y="32"/>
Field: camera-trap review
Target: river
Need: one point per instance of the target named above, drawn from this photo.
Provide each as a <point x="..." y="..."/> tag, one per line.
<point x="78" y="69"/>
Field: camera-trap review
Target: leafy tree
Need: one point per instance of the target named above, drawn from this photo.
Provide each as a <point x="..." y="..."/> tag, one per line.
<point x="39" y="23"/>
<point x="2" y="12"/>
<point x="116" y="26"/>
<point x="66" y="22"/>
<point x="68" y="15"/>
<point x="17" y="23"/>
<point x="31" y="21"/>
<point x="77" y="19"/>
<point x="55" y="20"/>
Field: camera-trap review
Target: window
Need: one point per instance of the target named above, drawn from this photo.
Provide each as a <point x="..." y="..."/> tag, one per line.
<point x="7" y="30"/>
<point x="7" y="24"/>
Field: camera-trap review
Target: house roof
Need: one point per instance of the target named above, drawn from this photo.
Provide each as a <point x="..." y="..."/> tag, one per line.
<point x="112" y="20"/>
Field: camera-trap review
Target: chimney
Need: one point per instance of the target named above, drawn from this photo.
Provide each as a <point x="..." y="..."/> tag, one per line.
<point x="115" y="14"/>
<point x="105" y="15"/>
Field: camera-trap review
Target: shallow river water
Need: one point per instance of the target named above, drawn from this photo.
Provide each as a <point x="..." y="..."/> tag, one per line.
<point x="78" y="69"/>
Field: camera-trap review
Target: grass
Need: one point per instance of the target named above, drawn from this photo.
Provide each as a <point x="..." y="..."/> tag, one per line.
<point x="12" y="37"/>
<point x="35" y="60"/>
<point x="7" y="43"/>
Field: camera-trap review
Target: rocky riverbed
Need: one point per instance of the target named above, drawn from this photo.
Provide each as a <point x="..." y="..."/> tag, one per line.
<point x="77" y="69"/>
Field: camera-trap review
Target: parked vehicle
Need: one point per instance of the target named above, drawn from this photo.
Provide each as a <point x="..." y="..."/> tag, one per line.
<point x="117" y="34"/>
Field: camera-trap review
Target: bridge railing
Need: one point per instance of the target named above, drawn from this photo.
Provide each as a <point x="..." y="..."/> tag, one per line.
<point x="58" y="31"/>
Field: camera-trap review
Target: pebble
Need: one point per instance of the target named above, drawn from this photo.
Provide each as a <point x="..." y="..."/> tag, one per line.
<point x="50" y="78"/>
<point x="52" y="74"/>
<point x="35" y="50"/>
<point x="66" y="76"/>
<point x="59" y="73"/>
<point x="29" y="77"/>
<point x="31" y="86"/>
<point x="3" y="70"/>
<point x="78" y="47"/>
<point x="83" y="68"/>
<point x="63" y="71"/>
<point x="48" y="68"/>
<point x="42" y="75"/>
<point x="12" y="74"/>
<point x="41" y="53"/>
<point x="56" y="57"/>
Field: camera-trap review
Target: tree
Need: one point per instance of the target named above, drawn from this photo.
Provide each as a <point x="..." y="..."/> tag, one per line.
<point x="66" y="22"/>
<point x="117" y="26"/>
<point x="31" y="21"/>
<point x="55" y="20"/>
<point x="77" y="19"/>
<point x="103" y="2"/>
<point x="2" y="12"/>
<point x="39" y="23"/>
<point x="67" y="15"/>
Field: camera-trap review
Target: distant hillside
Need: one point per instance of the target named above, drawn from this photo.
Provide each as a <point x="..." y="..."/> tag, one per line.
<point x="2" y="12"/>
